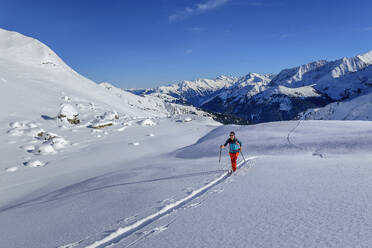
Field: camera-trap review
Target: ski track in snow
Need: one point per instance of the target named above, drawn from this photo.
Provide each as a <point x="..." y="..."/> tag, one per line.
<point x="316" y="152"/>
<point x="289" y="135"/>
<point x="123" y="232"/>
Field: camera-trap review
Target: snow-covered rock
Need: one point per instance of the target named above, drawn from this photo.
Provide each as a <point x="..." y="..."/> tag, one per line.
<point x="35" y="163"/>
<point x="147" y="122"/>
<point x="68" y="113"/>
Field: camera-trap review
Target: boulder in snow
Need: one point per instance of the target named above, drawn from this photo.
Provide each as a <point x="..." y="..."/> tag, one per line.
<point x="69" y="113"/>
<point x="147" y="122"/>
<point x="101" y="124"/>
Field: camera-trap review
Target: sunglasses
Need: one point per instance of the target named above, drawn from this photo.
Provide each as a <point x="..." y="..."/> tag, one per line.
<point x="231" y="135"/>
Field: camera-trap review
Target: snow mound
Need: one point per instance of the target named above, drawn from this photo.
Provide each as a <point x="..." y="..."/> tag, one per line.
<point x="20" y="128"/>
<point x="110" y="115"/>
<point x="45" y="148"/>
<point x="35" y="163"/>
<point x="12" y="169"/>
<point x="134" y="143"/>
<point x="147" y="122"/>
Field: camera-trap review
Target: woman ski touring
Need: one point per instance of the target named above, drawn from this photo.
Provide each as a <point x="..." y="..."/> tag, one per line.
<point x="235" y="146"/>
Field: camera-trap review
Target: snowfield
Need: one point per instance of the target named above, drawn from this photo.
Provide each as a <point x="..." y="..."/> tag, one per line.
<point x="304" y="184"/>
<point x="87" y="165"/>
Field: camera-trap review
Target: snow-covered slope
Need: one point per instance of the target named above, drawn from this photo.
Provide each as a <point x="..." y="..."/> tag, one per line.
<point x="359" y="108"/>
<point x="304" y="184"/>
<point x="45" y="104"/>
<point x="35" y="81"/>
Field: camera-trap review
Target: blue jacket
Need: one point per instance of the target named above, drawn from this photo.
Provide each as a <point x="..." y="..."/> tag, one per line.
<point x="234" y="145"/>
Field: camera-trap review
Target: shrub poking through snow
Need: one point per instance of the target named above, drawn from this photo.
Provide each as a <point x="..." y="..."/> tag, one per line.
<point x="68" y="112"/>
<point x="46" y="135"/>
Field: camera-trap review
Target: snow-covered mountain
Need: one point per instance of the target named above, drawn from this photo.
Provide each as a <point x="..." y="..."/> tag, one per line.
<point x="359" y="108"/>
<point x="340" y="79"/>
<point x="34" y="80"/>
<point x="295" y="90"/>
<point x="261" y="98"/>
<point x="189" y="92"/>
<point x="45" y="104"/>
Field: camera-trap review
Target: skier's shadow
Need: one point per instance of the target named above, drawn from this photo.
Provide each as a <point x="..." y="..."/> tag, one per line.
<point x="65" y="192"/>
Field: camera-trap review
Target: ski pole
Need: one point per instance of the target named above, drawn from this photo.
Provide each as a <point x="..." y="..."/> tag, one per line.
<point x="219" y="160"/>
<point x="243" y="156"/>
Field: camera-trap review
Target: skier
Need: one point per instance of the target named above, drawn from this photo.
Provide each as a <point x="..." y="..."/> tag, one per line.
<point x="235" y="146"/>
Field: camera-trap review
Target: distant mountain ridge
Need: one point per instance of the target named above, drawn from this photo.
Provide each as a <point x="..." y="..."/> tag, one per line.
<point x="189" y="92"/>
<point x="262" y="98"/>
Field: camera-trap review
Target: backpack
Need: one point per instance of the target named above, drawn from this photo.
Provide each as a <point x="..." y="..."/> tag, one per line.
<point x="234" y="147"/>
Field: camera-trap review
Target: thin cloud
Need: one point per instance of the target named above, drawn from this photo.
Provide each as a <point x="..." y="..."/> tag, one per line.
<point x="367" y="29"/>
<point x="200" y="8"/>
<point x="283" y="36"/>
<point x="189" y="51"/>
<point x="256" y="3"/>
<point x="195" y="30"/>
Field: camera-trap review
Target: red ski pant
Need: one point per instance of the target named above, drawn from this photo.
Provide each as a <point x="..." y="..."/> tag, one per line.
<point x="234" y="158"/>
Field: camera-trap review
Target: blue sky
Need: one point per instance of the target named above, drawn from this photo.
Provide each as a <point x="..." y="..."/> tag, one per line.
<point x="150" y="43"/>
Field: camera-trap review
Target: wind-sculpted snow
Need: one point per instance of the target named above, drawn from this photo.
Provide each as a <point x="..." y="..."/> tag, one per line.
<point x="326" y="137"/>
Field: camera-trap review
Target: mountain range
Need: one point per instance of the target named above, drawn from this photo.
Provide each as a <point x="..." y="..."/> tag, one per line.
<point x="261" y="98"/>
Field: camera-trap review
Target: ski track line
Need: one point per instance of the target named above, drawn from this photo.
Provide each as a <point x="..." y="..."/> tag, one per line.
<point x="289" y="134"/>
<point x="124" y="232"/>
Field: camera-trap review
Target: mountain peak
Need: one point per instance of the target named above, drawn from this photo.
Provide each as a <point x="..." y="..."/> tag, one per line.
<point x="26" y="50"/>
<point x="366" y="57"/>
